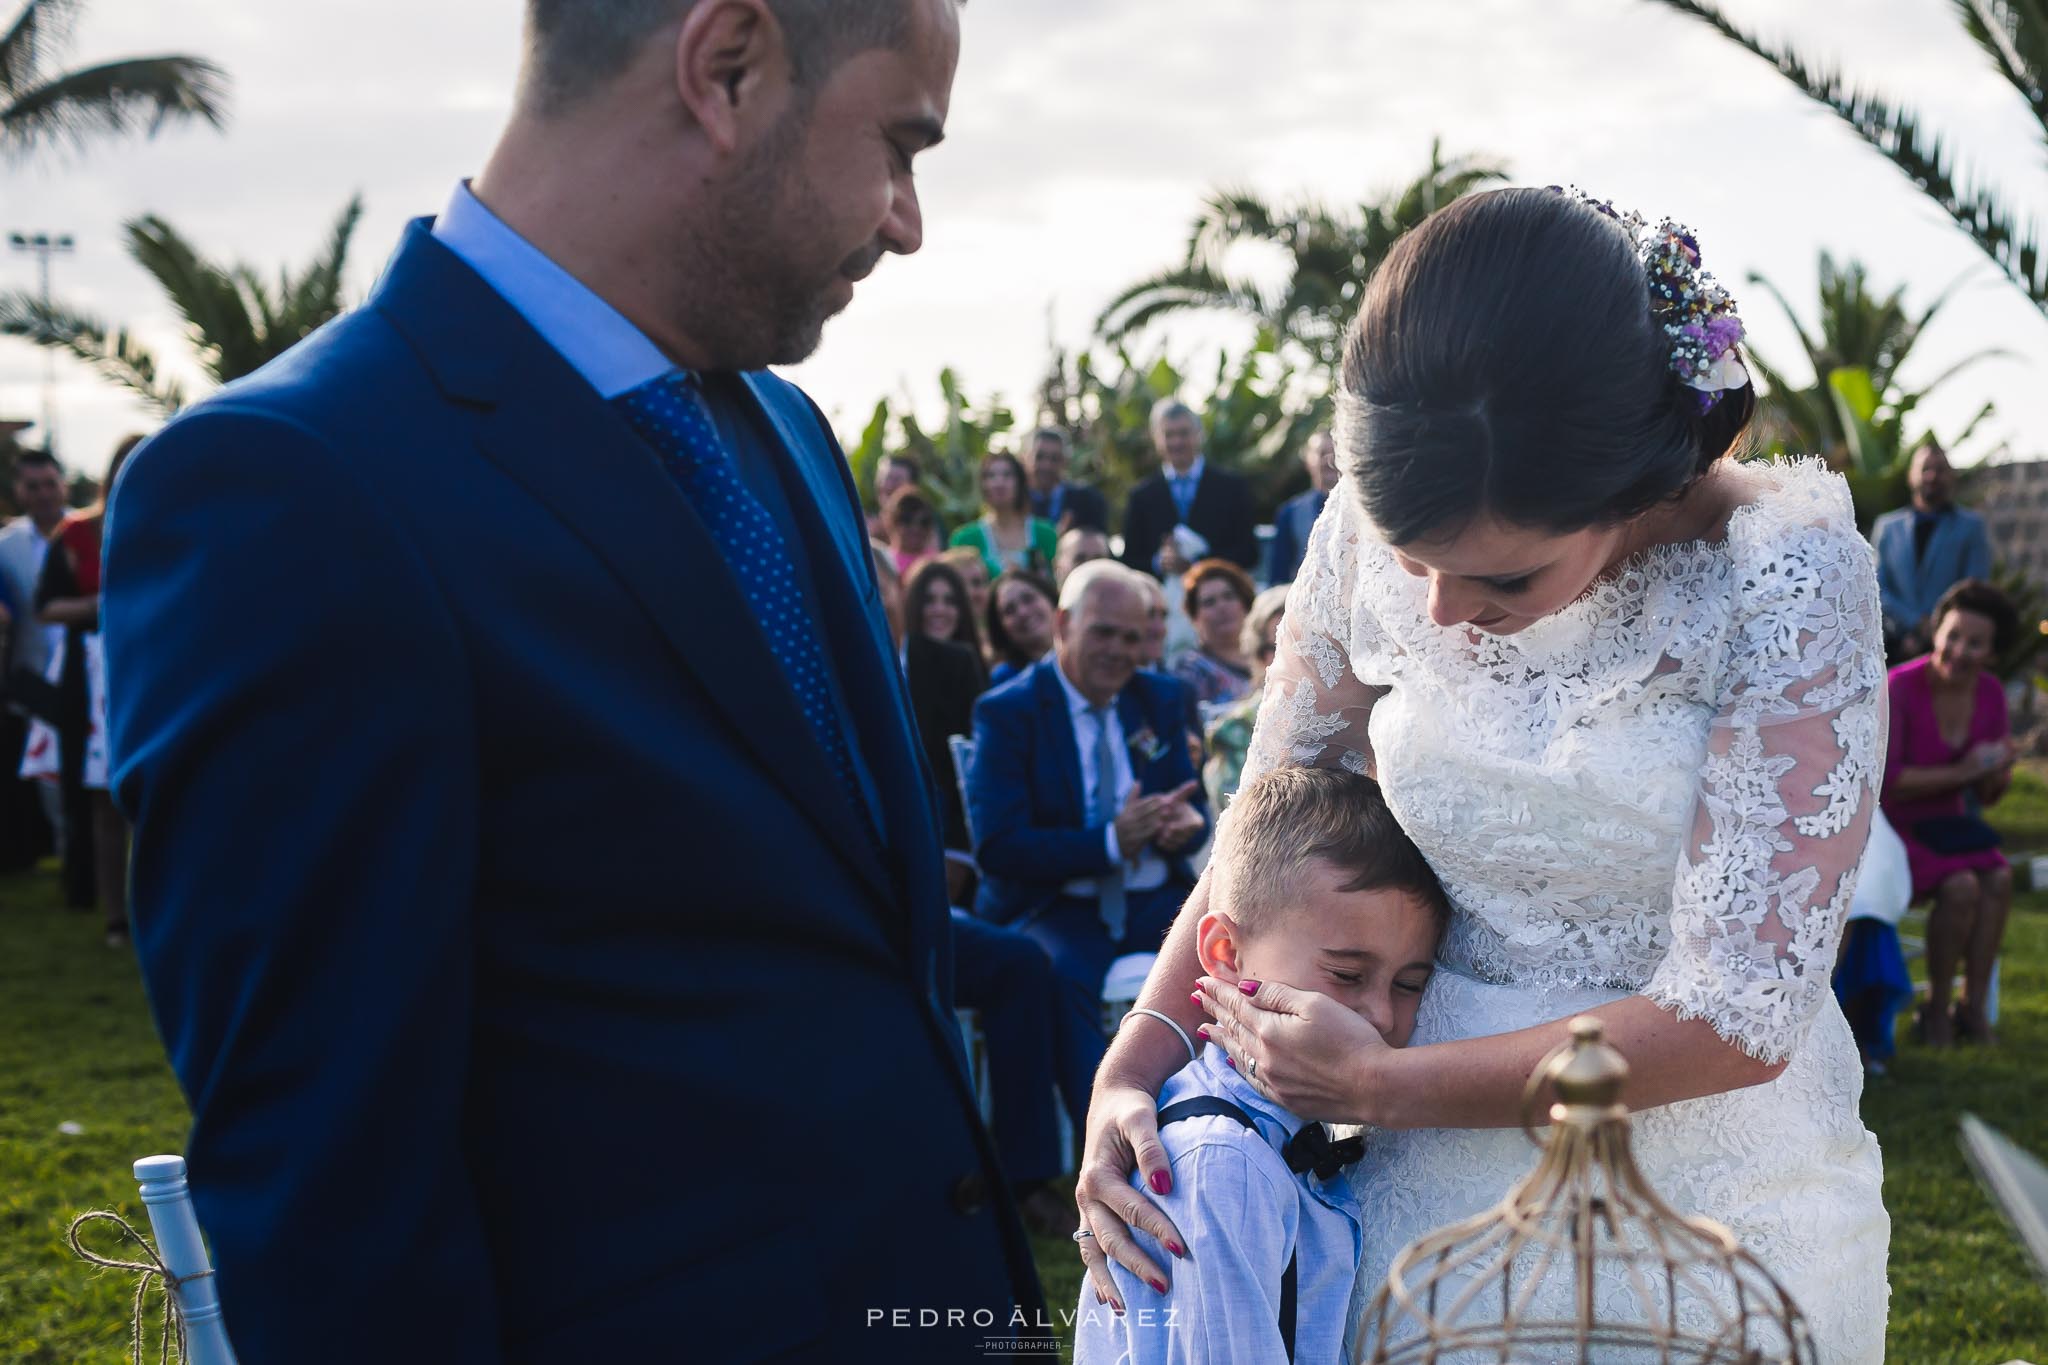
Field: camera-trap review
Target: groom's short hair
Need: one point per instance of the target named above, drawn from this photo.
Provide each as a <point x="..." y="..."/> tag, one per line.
<point x="1279" y="825"/>
<point x="575" y="46"/>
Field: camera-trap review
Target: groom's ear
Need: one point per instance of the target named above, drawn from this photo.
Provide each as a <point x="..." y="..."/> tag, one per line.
<point x="1219" y="947"/>
<point x="733" y="70"/>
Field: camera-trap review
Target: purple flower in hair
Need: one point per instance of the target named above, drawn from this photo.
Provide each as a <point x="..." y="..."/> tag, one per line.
<point x="1722" y="333"/>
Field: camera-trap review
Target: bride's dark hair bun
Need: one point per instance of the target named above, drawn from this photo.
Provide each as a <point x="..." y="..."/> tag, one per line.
<point x="1505" y="361"/>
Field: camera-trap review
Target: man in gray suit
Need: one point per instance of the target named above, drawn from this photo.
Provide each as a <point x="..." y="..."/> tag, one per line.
<point x="1924" y="550"/>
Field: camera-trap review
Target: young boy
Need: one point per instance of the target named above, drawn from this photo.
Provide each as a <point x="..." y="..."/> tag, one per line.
<point x="1317" y="888"/>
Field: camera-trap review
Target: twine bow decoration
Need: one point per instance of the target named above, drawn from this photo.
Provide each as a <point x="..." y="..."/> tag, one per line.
<point x="152" y="1272"/>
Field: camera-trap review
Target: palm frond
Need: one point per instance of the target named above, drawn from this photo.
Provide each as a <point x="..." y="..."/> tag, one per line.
<point x="114" y="354"/>
<point x="208" y="298"/>
<point x="41" y="29"/>
<point x="137" y="95"/>
<point x="2014" y="35"/>
<point x="1920" y="156"/>
<point x="1179" y="289"/>
<point x="1814" y="354"/>
<point x="315" y="296"/>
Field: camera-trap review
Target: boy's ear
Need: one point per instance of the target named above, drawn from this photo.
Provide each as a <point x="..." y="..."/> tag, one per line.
<point x="1218" y="945"/>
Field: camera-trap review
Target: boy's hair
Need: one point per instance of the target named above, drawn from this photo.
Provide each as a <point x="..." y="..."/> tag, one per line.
<point x="1277" y="826"/>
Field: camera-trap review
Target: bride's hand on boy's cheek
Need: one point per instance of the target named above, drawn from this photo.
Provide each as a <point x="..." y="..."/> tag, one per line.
<point x="1305" y="1051"/>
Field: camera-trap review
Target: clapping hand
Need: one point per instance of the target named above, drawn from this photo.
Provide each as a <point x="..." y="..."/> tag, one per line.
<point x="1179" y="821"/>
<point x="1993" y="754"/>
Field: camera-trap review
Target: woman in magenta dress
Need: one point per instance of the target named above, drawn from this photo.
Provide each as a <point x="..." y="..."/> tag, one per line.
<point x="1949" y="741"/>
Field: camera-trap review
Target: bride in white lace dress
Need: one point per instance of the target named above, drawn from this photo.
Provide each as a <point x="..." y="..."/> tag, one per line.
<point x="1628" y="699"/>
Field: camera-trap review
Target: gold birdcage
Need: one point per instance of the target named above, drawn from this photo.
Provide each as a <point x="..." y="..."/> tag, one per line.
<point x="1582" y="1261"/>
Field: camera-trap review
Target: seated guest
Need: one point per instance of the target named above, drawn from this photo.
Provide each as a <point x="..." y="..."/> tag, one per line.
<point x="910" y="529"/>
<point x="1321" y="891"/>
<point x="1949" y="742"/>
<point x="1152" y="653"/>
<point x="1068" y="506"/>
<point x="1872" y="983"/>
<point x="1021" y="612"/>
<point x="935" y="605"/>
<point x="1007" y="535"/>
<point x="1229" y="737"/>
<point x="1084" y="804"/>
<point x="1216" y="595"/>
<point x="973" y="571"/>
<point x="1078" y="547"/>
<point x="997" y="972"/>
<point x="1297" y="516"/>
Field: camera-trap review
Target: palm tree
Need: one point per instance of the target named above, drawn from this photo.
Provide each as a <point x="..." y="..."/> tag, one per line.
<point x="235" y="321"/>
<point x="1862" y="334"/>
<point x="1856" y="412"/>
<point x="1330" y="255"/>
<point x="39" y="109"/>
<point x="2014" y="36"/>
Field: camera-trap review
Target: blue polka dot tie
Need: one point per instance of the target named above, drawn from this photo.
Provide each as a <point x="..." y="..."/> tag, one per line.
<point x="669" y="414"/>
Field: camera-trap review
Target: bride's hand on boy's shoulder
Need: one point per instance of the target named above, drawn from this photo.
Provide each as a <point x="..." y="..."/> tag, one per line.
<point x="1123" y="1136"/>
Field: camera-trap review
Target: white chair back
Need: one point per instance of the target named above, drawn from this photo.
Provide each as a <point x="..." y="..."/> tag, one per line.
<point x="1121" y="985"/>
<point x="179" y="1246"/>
<point x="962" y="749"/>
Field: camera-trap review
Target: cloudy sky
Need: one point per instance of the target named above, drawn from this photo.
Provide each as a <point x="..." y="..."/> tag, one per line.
<point x="1084" y="134"/>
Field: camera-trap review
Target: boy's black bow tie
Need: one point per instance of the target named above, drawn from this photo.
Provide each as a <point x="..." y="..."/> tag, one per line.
<point x="1313" y="1149"/>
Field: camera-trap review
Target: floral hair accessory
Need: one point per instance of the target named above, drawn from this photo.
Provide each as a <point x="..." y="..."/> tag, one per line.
<point x="1696" y="313"/>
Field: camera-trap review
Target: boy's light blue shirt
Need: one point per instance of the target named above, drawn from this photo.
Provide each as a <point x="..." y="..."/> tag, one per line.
<point x="1244" y="1214"/>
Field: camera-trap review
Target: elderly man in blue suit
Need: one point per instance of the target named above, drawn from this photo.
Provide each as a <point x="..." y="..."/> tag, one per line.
<point x="1083" y="803"/>
<point x="1924" y="550"/>
<point x="536" y="877"/>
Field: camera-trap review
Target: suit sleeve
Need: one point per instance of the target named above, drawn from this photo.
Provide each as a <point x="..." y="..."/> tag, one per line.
<point x="1141" y="533"/>
<point x="1977" y="561"/>
<point x="293" y="741"/>
<point x="1893" y="596"/>
<point x="999" y="785"/>
<point x="1241" y="541"/>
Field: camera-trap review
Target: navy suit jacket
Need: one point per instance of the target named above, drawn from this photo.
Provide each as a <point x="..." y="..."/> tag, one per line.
<point x="538" y="993"/>
<point x="1221" y="511"/>
<point x="1026" y="800"/>
<point x="1291" y="527"/>
<point x="1908" y="585"/>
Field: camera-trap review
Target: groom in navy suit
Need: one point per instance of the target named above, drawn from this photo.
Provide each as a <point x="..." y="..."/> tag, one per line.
<point x="536" y="878"/>
<point x="1083" y="802"/>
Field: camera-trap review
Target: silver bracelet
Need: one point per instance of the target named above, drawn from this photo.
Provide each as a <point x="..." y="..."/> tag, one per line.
<point x="1167" y="1020"/>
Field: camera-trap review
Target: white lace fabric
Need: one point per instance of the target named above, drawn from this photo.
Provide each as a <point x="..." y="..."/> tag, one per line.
<point x="1662" y="790"/>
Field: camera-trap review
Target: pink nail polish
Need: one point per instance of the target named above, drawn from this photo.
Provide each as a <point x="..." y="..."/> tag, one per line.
<point x="1117" y="1306"/>
<point x="1158" y="1286"/>
<point x="1230" y="1059"/>
<point x="1177" y="1249"/>
<point x="1248" y="986"/>
<point x="1203" y="1033"/>
<point x="1162" y="1183"/>
<point x="1198" y="998"/>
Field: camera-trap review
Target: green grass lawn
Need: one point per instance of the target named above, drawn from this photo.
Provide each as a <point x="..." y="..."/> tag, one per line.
<point x="77" y="1048"/>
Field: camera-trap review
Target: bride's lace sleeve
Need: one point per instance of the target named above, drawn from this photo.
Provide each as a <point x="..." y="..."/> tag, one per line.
<point x="1315" y="708"/>
<point x="1785" y="797"/>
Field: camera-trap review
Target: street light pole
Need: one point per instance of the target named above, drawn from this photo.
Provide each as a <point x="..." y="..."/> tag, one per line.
<point x="44" y="245"/>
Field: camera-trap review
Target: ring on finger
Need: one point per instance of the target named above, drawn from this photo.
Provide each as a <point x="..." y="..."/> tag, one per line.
<point x="1251" y="1067"/>
<point x="1083" y="1234"/>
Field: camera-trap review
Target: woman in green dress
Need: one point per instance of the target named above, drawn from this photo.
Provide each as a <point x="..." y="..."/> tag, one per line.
<point x="1007" y="535"/>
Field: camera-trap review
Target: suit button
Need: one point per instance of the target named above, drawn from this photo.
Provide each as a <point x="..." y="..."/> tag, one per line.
<point x="970" y="1192"/>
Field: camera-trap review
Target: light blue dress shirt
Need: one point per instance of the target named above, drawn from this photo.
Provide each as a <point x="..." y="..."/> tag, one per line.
<point x="1244" y="1214"/>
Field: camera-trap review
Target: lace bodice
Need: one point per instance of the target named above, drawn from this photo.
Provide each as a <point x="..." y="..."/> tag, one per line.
<point x="1664" y="788"/>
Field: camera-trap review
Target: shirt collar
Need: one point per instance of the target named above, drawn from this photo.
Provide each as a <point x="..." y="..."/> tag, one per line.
<point x="611" y="354"/>
<point x="1224" y="1079"/>
<point x="1194" y="470"/>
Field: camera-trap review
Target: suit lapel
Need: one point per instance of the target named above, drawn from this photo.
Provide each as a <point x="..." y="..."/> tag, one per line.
<point x="1062" y="745"/>
<point x="1130" y="713"/>
<point x="544" y="428"/>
